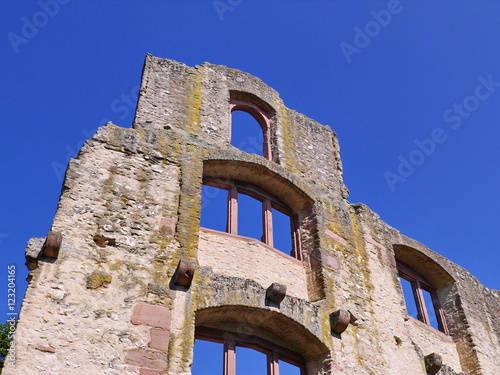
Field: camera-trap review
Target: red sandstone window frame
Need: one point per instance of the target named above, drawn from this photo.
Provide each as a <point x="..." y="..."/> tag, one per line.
<point x="258" y="114"/>
<point x="418" y="283"/>
<point x="268" y="201"/>
<point x="231" y="340"/>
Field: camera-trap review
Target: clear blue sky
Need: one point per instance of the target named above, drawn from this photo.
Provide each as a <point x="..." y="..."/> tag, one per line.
<point x="412" y="89"/>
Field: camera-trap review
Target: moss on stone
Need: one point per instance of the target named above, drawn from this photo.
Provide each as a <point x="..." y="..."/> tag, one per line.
<point x="97" y="279"/>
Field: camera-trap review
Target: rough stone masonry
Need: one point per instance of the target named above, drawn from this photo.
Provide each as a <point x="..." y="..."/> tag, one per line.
<point x="127" y="279"/>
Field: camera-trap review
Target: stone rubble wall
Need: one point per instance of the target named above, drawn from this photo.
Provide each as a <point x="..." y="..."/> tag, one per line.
<point x="129" y="215"/>
<point x="239" y="258"/>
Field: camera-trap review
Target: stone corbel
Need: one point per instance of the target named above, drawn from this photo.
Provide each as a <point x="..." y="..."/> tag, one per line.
<point x="339" y="320"/>
<point x="433" y="363"/>
<point x="52" y="244"/>
<point x="276" y="293"/>
<point x="184" y="273"/>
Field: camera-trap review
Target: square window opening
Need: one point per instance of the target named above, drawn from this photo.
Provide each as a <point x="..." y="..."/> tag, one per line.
<point x="431" y="310"/>
<point x="282" y="235"/>
<point x="288" y="368"/>
<point x="250" y="217"/>
<point x="204" y="354"/>
<point x="409" y="297"/>
<point x="250" y="361"/>
<point x="213" y="208"/>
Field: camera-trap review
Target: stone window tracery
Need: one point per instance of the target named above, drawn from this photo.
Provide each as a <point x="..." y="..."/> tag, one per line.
<point x="243" y="209"/>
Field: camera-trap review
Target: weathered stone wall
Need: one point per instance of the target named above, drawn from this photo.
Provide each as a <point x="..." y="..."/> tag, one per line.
<point x="76" y="313"/>
<point x="129" y="213"/>
<point x="235" y="257"/>
<point x="196" y="100"/>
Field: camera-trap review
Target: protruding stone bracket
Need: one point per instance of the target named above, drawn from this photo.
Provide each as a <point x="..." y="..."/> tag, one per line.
<point x="276" y="292"/>
<point x="33" y="252"/>
<point x="339" y="320"/>
<point x="52" y="244"/>
<point x="433" y="363"/>
<point x="184" y="273"/>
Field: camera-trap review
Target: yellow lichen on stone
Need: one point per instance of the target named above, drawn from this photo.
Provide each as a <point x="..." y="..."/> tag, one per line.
<point x="97" y="279"/>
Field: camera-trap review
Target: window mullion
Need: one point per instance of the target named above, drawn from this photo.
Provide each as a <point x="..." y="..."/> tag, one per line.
<point x="296" y="245"/>
<point x="229" y="358"/>
<point x="440" y="313"/>
<point x="272" y="363"/>
<point x="267" y="222"/>
<point x="232" y="211"/>
<point x="267" y="139"/>
<point x="419" y="298"/>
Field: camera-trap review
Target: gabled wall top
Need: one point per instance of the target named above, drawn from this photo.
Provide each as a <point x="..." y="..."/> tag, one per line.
<point x="197" y="102"/>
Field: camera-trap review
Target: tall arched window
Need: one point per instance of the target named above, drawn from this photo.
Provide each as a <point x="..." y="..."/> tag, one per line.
<point x="244" y="132"/>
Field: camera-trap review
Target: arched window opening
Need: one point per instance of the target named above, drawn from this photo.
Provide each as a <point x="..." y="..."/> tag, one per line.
<point x="223" y="352"/>
<point x="246" y="133"/>
<point x="422" y="302"/>
<point x="245" y="210"/>
<point x="425" y="285"/>
<point x="250" y="129"/>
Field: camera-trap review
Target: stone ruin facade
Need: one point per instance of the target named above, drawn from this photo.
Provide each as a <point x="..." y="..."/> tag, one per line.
<point x="127" y="278"/>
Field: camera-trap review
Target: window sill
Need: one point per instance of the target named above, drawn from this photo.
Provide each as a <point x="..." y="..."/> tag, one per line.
<point x="250" y="240"/>
<point x="429" y="328"/>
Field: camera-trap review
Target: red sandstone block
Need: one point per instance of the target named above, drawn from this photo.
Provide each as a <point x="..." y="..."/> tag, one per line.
<point x="183" y="275"/>
<point x="47" y="349"/>
<point x="145" y="358"/>
<point x="167" y="226"/>
<point x="159" y="339"/>
<point x="331" y="261"/>
<point x="336" y="237"/>
<point x="52" y="244"/>
<point x="146" y="371"/>
<point x="151" y="315"/>
<point x="313" y="261"/>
